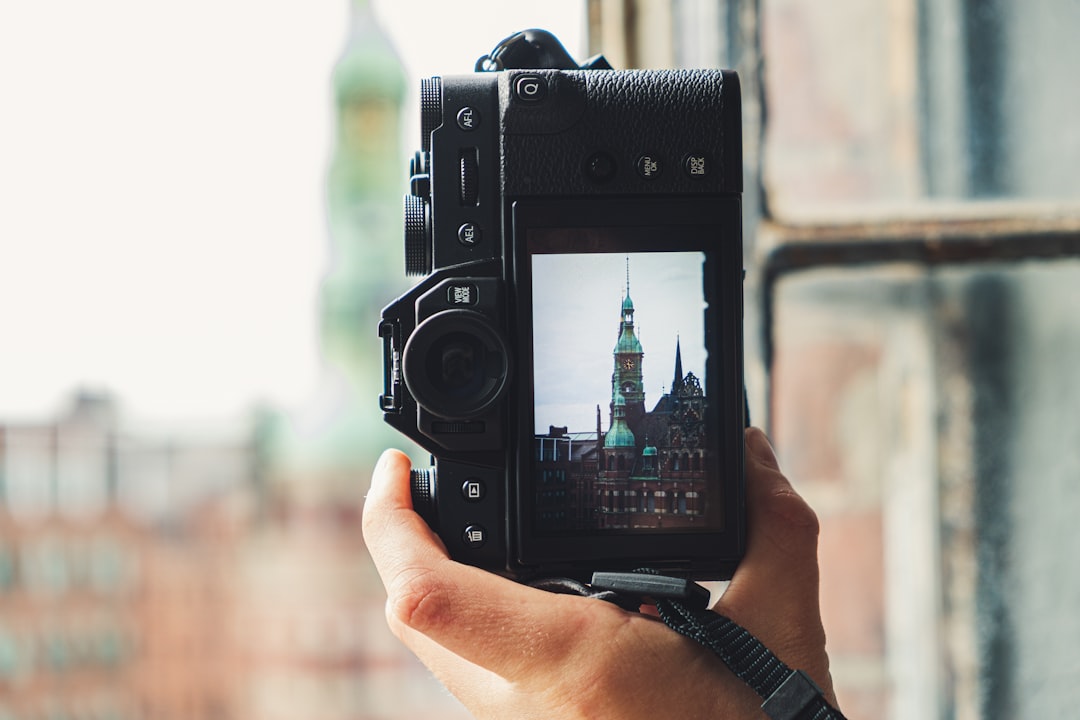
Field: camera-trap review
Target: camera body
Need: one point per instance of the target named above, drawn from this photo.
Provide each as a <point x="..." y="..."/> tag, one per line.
<point x="564" y="221"/>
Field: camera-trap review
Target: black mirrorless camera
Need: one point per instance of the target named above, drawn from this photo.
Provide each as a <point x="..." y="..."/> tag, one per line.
<point x="572" y="357"/>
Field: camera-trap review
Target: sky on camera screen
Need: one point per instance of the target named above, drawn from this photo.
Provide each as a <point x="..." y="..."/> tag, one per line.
<point x="577" y="310"/>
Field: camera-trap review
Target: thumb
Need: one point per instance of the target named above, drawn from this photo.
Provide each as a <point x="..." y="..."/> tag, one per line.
<point x="774" y="592"/>
<point x="782" y="527"/>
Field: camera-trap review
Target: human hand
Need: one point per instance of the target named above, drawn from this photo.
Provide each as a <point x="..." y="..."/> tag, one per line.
<point x="507" y="650"/>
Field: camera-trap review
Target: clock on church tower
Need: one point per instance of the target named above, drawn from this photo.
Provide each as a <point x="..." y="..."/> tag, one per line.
<point x="627" y="378"/>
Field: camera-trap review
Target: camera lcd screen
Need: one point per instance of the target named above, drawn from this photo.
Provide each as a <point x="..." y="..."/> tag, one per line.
<point x="621" y="418"/>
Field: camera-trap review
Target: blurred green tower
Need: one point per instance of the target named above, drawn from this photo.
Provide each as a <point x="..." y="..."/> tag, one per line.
<point x="324" y="449"/>
<point x="366" y="180"/>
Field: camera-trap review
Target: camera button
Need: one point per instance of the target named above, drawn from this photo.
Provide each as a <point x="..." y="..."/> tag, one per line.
<point x="649" y="167"/>
<point x="468" y="118"/>
<point x="530" y="88"/>
<point x="468" y="234"/>
<point x="600" y="167"/>
<point x="463" y="294"/>
<point x="697" y="165"/>
<point x="475" y="536"/>
<point x="469" y="190"/>
<point x="473" y="490"/>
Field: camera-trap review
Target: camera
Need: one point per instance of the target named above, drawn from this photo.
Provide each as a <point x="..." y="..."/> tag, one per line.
<point x="572" y="355"/>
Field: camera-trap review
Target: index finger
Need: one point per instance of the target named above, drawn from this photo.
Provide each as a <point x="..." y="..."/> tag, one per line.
<point x="488" y="620"/>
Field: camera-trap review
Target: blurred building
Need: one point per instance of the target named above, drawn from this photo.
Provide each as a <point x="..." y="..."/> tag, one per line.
<point x="178" y="576"/>
<point x="309" y="630"/>
<point x="112" y="584"/>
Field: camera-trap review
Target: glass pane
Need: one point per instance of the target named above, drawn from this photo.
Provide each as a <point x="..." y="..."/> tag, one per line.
<point x="929" y="416"/>
<point x="885" y="105"/>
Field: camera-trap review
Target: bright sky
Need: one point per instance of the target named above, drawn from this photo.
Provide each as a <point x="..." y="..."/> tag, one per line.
<point x="162" y="231"/>
<point x="577" y="304"/>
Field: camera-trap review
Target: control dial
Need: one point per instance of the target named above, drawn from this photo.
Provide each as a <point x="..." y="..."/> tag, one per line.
<point x="418" y="239"/>
<point x="430" y="109"/>
<point x="470" y="177"/>
<point x="419" y="178"/>
<point x="422" y="487"/>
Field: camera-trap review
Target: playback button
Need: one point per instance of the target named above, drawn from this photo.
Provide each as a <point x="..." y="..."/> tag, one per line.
<point x="473" y="490"/>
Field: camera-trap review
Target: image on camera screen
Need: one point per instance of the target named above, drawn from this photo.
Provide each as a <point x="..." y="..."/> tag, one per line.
<point x="619" y="395"/>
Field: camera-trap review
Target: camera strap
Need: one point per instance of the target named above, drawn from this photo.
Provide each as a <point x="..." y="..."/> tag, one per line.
<point x="682" y="605"/>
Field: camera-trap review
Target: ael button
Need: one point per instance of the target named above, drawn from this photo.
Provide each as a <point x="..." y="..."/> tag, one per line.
<point x="468" y="234"/>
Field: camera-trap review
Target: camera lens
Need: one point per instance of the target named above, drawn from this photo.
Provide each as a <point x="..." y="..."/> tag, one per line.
<point x="455" y="364"/>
